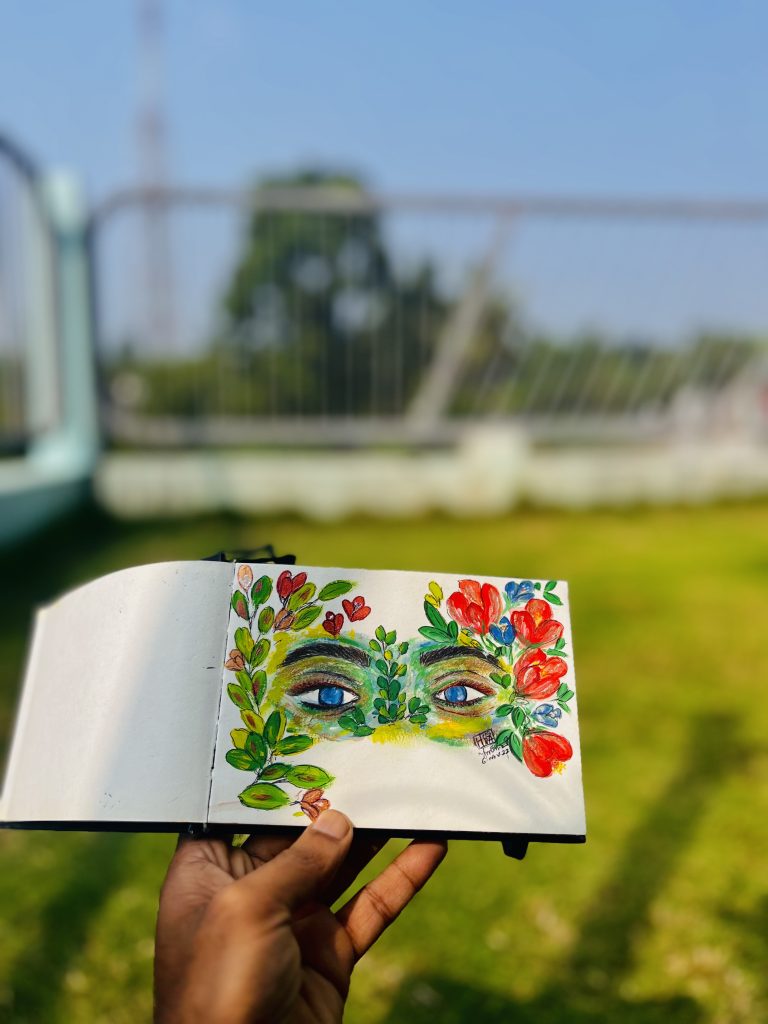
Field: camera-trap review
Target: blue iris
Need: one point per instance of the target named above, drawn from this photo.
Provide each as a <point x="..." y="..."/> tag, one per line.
<point x="455" y="694"/>
<point x="330" y="696"/>
<point x="547" y="714"/>
<point x="522" y="591"/>
<point x="503" y="632"/>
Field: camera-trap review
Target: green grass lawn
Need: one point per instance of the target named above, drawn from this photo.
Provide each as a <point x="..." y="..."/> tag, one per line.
<point x="661" y="917"/>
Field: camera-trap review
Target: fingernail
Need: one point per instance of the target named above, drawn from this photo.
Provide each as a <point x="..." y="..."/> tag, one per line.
<point x="333" y="824"/>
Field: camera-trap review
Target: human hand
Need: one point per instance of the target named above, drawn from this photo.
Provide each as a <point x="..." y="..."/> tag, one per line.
<point x="246" y="935"/>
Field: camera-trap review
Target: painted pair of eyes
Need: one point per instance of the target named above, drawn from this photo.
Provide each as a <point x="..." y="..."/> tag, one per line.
<point x="332" y="697"/>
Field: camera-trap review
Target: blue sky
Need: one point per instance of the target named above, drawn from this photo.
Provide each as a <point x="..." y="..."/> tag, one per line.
<point x="569" y="95"/>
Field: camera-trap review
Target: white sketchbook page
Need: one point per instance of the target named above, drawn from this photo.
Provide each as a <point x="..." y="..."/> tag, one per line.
<point x="117" y="720"/>
<point x="409" y="782"/>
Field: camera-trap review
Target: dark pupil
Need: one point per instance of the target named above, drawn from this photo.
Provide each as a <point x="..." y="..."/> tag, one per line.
<point x="331" y="696"/>
<point x="456" y="694"/>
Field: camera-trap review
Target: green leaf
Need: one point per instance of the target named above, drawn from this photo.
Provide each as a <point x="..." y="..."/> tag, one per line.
<point x="373" y="644"/>
<point x="516" y="745"/>
<point x="357" y="714"/>
<point x="502" y="738"/>
<point x="379" y="703"/>
<point x="439" y="635"/>
<point x="241" y="760"/>
<point x="556" y="652"/>
<point x="239" y="604"/>
<point x="348" y="723"/>
<point x="301" y="597"/>
<point x="259" y="685"/>
<point x="275" y="771"/>
<point x="264" y="796"/>
<point x="364" y="730"/>
<point x="239" y="736"/>
<point x="266" y="619"/>
<point x="259" y="652"/>
<point x="497" y="677"/>
<point x="382" y="666"/>
<point x="401" y="670"/>
<point x="506" y="681"/>
<point x="380" y="634"/>
<point x="383" y="719"/>
<point x="256" y="747"/>
<point x="453" y="629"/>
<point x="413" y="703"/>
<point x="419" y="719"/>
<point x="334" y="589"/>
<point x="435" y="617"/>
<point x="563" y="706"/>
<point x="261" y="590"/>
<point x="309" y="776"/>
<point x="550" y="585"/>
<point x="393" y="689"/>
<point x="244" y="678"/>
<point x="518" y="717"/>
<point x="401" y="698"/>
<point x="390" y="638"/>
<point x="504" y="709"/>
<point x="254" y="722"/>
<point x="293" y="744"/>
<point x="238" y="696"/>
<point x="244" y="641"/>
<point x="306" y="616"/>
<point x="274" y="727"/>
<point x="403" y="648"/>
<point x="553" y="599"/>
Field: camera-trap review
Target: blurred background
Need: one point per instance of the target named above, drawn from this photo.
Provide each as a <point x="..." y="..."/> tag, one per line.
<point x="475" y="288"/>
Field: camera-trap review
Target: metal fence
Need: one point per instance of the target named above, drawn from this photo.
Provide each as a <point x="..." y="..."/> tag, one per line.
<point x="30" y="402"/>
<point x="324" y="315"/>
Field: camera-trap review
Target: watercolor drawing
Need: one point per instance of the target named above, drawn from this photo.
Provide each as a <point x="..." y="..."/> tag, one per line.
<point x="313" y="664"/>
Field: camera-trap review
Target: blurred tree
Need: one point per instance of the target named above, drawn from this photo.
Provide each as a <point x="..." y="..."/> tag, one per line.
<point x="318" y="314"/>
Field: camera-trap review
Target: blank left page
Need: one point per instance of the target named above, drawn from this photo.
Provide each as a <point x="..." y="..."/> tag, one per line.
<point x="118" y="715"/>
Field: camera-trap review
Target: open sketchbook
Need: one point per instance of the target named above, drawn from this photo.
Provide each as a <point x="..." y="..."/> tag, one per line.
<point x="244" y="694"/>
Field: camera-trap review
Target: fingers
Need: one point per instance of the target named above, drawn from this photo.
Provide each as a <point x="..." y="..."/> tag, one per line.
<point x="360" y="854"/>
<point x="303" y="870"/>
<point x="378" y="903"/>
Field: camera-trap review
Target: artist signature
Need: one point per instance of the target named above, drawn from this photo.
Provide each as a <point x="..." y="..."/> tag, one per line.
<point x="485" y="742"/>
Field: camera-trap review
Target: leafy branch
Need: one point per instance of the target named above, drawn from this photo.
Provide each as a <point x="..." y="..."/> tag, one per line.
<point x="260" y="749"/>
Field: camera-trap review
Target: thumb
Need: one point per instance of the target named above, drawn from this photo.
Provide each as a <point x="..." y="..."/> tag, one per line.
<point x="303" y="870"/>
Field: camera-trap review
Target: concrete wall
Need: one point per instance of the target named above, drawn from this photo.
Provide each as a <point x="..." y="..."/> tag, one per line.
<point x="488" y="473"/>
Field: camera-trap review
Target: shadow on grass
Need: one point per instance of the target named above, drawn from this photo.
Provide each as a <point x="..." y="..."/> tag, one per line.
<point x="96" y="866"/>
<point x="588" y="985"/>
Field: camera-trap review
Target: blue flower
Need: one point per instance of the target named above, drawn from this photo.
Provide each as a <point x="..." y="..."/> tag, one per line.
<point x="503" y="632"/>
<point x="522" y="591"/>
<point x="547" y="715"/>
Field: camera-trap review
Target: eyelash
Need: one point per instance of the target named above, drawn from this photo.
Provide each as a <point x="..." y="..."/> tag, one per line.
<point x="316" y="685"/>
<point x="466" y="685"/>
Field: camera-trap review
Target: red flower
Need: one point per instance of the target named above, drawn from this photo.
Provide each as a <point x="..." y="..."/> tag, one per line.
<point x="537" y="676"/>
<point x="475" y="607"/>
<point x="356" y="609"/>
<point x="286" y="584"/>
<point x="333" y="623"/>
<point x="535" y="625"/>
<point x="545" y="752"/>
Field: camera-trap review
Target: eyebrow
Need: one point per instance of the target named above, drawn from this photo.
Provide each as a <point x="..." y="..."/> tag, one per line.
<point x="326" y="649"/>
<point x="444" y="653"/>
